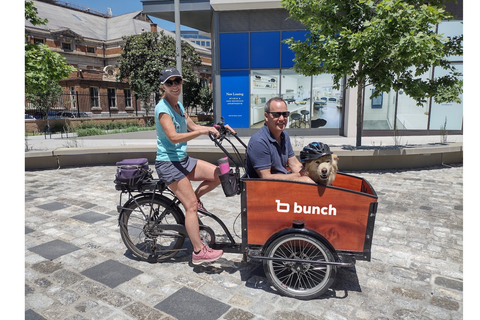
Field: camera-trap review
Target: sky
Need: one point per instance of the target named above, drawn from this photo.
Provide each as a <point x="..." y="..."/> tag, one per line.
<point x="124" y="6"/>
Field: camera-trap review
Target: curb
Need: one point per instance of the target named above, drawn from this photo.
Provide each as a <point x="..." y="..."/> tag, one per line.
<point x="405" y="157"/>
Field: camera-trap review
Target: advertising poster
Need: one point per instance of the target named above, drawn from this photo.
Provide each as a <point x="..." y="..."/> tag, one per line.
<point x="235" y="102"/>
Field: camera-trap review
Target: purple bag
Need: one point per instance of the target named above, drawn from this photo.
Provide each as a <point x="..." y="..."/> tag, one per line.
<point x="132" y="172"/>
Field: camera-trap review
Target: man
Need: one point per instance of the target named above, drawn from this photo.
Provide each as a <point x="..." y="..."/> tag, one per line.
<point x="269" y="151"/>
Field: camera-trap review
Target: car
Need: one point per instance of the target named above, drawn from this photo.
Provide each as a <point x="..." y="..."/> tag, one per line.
<point x="66" y="114"/>
<point x="323" y="98"/>
<point x="84" y="115"/>
<point x="29" y="117"/>
<point x="42" y="115"/>
<point x="332" y="99"/>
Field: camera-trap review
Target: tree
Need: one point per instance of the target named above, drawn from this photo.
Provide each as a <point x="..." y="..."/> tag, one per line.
<point x="205" y="99"/>
<point x="387" y="43"/>
<point x="43" y="69"/>
<point x="145" y="55"/>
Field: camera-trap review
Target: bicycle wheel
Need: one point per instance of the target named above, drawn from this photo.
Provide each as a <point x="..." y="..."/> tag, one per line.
<point x="299" y="280"/>
<point x="140" y="231"/>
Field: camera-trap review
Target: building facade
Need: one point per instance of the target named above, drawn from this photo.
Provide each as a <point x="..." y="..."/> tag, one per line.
<point x="251" y="64"/>
<point x="92" y="42"/>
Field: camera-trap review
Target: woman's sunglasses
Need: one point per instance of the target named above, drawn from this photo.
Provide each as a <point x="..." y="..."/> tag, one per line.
<point x="177" y="81"/>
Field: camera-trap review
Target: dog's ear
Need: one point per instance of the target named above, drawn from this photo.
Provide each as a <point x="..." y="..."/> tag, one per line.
<point x="335" y="157"/>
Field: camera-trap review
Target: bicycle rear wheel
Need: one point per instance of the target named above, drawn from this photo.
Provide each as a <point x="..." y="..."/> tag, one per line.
<point x="141" y="232"/>
<point x="301" y="280"/>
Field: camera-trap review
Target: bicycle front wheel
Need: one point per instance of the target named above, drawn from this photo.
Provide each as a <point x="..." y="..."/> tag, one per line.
<point x="141" y="231"/>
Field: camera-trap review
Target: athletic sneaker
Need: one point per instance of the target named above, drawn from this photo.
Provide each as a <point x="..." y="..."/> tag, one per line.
<point x="207" y="254"/>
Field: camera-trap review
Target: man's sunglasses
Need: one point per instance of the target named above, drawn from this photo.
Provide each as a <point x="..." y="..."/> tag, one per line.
<point x="285" y="114"/>
<point x="177" y="81"/>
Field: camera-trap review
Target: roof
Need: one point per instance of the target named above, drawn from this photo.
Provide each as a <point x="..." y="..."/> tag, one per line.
<point x="92" y="26"/>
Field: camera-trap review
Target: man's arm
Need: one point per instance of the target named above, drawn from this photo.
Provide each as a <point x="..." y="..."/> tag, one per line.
<point x="296" y="175"/>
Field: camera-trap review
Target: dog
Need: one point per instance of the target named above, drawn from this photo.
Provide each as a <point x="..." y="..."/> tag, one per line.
<point x="322" y="170"/>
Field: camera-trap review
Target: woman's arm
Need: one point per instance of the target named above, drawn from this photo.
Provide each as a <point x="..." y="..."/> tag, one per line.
<point x="194" y="130"/>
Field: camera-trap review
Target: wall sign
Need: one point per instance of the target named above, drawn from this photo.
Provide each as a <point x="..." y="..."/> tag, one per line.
<point x="235" y="98"/>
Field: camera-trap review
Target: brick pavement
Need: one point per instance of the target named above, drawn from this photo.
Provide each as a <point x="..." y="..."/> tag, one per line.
<point x="76" y="266"/>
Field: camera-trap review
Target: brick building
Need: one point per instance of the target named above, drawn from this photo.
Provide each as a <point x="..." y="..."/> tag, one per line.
<point x="91" y="42"/>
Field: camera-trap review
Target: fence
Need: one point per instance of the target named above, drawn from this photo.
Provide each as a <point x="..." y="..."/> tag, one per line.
<point x="114" y="104"/>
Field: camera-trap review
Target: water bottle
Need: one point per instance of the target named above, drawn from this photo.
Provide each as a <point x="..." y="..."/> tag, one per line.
<point x="223" y="165"/>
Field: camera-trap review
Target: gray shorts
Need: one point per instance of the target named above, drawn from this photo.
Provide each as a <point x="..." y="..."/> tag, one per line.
<point x="171" y="171"/>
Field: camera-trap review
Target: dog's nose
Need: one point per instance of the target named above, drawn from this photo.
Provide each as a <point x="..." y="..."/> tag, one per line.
<point x="324" y="170"/>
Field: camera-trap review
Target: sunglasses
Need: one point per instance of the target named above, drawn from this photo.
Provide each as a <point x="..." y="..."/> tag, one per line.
<point x="285" y="114"/>
<point x="177" y="81"/>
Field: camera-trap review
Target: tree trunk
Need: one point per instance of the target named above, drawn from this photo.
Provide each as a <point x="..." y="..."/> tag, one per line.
<point x="361" y="84"/>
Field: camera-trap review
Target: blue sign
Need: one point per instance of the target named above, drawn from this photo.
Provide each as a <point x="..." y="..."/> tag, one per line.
<point x="235" y="98"/>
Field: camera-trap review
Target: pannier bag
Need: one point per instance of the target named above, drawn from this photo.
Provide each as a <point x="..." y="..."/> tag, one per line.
<point x="230" y="183"/>
<point x="132" y="172"/>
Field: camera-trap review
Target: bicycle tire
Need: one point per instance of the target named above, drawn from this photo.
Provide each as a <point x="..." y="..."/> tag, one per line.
<point x="299" y="280"/>
<point x="144" y="241"/>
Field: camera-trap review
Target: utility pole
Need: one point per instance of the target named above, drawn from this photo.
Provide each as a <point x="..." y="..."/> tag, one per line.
<point x="178" y="42"/>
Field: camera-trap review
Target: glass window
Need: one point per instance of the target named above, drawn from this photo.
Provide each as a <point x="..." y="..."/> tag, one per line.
<point x="111" y="97"/>
<point x="265" y="50"/>
<point x="38" y="40"/>
<point x="379" y="113"/>
<point x="264" y="85"/>
<point x="451" y="29"/>
<point x="66" y="46"/>
<point x="446" y="115"/>
<point x="410" y="116"/>
<point x="128" y="97"/>
<point x="296" y="93"/>
<point x="90" y="49"/>
<point x="94" y="96"/>
<point x="327" y="103"/>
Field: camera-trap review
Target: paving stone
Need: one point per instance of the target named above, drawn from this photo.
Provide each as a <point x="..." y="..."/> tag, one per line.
<point x="187" y="304"/>
<point x="53" y="206"/>
<point x="91" y="217"/>
<point x="111" y="273"/>
<point x="32" y="315"/>
<point x="54" y="249"/>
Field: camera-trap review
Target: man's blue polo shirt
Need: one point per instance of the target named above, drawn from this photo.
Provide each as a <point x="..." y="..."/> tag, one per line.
<point x="263" y="152"/>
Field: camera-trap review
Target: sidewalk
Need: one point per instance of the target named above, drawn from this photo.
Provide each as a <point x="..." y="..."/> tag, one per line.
<point x="148" y="138"/>
<point x="375" y="153"/>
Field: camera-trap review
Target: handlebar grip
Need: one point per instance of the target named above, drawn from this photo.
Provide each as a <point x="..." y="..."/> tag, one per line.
<point x="216" y="126"/>
<point x="212" y="137"/>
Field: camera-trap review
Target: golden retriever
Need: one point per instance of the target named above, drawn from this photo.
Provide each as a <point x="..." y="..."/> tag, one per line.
<point x="322" y="170"/>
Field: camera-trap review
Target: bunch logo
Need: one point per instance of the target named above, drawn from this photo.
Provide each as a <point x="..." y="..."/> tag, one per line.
<point x="326" y="211"/>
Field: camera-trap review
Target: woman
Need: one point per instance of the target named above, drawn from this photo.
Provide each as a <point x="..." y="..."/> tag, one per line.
<point x="175" y="168"/>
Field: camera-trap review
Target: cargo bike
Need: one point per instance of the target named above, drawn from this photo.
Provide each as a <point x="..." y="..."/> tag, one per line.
<point x="301" y="232"/>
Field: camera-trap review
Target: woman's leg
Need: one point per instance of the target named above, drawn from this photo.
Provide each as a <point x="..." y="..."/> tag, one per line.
<point x="208" y="174"/>
<point x="184" y="192"/>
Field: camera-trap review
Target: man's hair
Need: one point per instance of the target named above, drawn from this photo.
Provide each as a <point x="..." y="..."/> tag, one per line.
<point x="277" y="99"/>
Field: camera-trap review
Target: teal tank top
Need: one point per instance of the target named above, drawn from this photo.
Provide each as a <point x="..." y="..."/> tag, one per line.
<point x="166" y="150"/>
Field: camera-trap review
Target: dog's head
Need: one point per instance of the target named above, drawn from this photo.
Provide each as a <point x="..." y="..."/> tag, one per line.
<point x="319" y="162"/>
<point x="322" y="168"/>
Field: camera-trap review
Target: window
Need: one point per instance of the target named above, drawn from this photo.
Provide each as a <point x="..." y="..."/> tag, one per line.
<point x="208" y="43"/>
<point x="94" y="96"/>
<point x="447" y="115"/>
<point x="128" y="97"/>
<point x="111" y="98"/>
<point x="38" y="40"/>
<point x="90" y="49"/>
<point x="66" y="46"/>
<point x="203" y="43"/>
